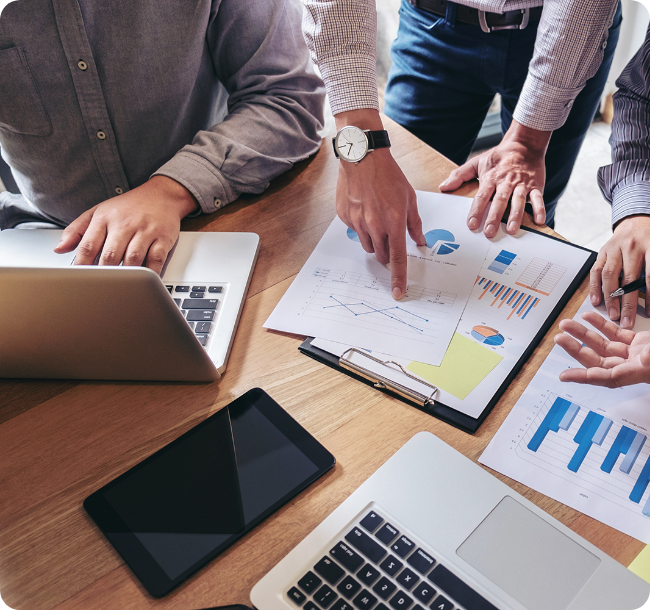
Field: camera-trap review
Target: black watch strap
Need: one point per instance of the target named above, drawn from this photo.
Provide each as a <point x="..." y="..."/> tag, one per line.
<point x="378" y="139"/>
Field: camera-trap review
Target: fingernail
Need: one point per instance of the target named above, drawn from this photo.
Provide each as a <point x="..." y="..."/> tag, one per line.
<point x="490" y="230"/>
<point x="613" y="314"/>
<point x="626" y="323"/>
<point x="473" y="223"/>
<point x="512" y="227"/>
<point x="539" y="219"/>
<point x="397" y="293"/>
<point x="594" y="299"/>
<point x="444" y="182"/>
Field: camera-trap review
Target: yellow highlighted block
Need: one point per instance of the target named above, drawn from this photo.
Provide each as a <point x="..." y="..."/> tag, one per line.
<point x="641" y="565"/>
<point x="464" y="366"/>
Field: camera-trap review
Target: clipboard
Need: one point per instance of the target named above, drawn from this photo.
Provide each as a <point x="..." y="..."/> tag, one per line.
<point x="388" y="382"/>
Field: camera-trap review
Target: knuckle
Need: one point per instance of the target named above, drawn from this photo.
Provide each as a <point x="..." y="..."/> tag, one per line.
<point x="86" y="247"/>
<point x="133" y="258"/>
<point x="109" y="257"/>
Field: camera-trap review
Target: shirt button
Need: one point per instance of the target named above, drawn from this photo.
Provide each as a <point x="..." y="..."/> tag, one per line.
<point x="101" y="135"/>
<point x="118" y="190"/>
<point x="604" y="45"/>
<point x="82" y="65"/>
<point x="217" y="202"/>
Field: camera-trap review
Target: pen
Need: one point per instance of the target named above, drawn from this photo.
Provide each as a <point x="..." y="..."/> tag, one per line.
<point x="631" y="287"/>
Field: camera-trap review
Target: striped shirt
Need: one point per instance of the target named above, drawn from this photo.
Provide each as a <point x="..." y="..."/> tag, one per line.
<point x="626" y="182"/>
<point x="571" y="38"/>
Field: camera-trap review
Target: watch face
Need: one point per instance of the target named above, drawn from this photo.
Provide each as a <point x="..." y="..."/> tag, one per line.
<point x="352" y="144"/>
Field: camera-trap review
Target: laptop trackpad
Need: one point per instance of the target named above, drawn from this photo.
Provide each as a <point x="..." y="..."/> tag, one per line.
<point x="528" y="558"/>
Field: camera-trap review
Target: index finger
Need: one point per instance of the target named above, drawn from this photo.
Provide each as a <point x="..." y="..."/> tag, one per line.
<point x="397" y="245"/>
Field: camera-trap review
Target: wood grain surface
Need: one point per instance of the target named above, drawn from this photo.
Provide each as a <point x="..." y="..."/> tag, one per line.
<point x="62" y="440"/>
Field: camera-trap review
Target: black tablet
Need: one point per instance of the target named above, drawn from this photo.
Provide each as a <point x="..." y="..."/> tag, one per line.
<point x="175" y="511"/>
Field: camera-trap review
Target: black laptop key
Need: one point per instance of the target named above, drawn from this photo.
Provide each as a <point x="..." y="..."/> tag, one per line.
<point x="387" y="533"/>
<point x="442" y="603"/>
<point x="309" y="582"/>
<point x="200" y="303"/>
<point x="191" y="325"/>
<point x="178" y="302"/>
<point x="296" y="596"/>
<point x="198" y="288"/>
<point x="215" y="289"/>
<point x="424" y="592"/>
<point x="182" y="288"/>
<point x="400" y="601"/>
<point x="200" y="316"/>
<point x="325" y="596"/>
<point x="365" y="600"/>
<point x="364" y="543"/>
<point x="368" y="574"/>
<point x="407" y="578"/>
<point x="169" y="288"/>
<point x="384" y="588"/>
<point x="312" y="606"/>
<point x="203" y="327"/>
<point x="417" y="607"/>
<point x="345" y="555"/>
<point x="381" y="607"/>
<point x="197" y="295"/>
<point x="348" y="587"/>
<point x="371" y="521"/>
<point x="402" y="546"/>
<point x="391" y="565"/>
<point x="340" y="604"/>
<point x="329" y="570"/>
<point x="421" y="561"/>
<point x="456" y="588"/>
<point x="203" y="339"/>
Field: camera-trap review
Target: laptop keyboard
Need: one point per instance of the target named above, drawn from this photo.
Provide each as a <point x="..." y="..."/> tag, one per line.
<point x="378" y="566"/>
<point x="199" y="305"/>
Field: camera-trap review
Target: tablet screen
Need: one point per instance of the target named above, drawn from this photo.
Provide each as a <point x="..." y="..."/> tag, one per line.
<point x="196" y="496"/>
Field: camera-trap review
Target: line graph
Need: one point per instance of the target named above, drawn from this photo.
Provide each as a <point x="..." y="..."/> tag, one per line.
<point x="364" y="301"/>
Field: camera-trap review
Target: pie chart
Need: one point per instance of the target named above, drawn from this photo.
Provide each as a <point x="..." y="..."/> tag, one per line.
<point x="487" y="335"/>
<point x="441" y="235"/>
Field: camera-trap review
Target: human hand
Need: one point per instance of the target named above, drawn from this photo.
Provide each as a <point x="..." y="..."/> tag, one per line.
<point x="621" y="359"/>
<point x="627" y="251"/>
<point x="139" y="226"/>
<point x="376" y="201"/>
<point x="515" y="168"/>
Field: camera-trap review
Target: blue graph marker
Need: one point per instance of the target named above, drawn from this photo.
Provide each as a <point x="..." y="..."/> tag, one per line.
<point x="502" y="262"/>
<point x="592" y="432"/>
<point x="559" y="417"/>
<point x="640" y="486"/>
<point x="629" y="443"/>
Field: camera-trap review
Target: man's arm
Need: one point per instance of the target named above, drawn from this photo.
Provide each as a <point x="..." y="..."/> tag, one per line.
<point x="571" y="38"/>
<point x="275" y="108"/>
<point x="626" y="185"/>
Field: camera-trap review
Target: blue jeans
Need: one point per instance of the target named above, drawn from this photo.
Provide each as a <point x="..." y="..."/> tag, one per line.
<point x="444" y="77"/>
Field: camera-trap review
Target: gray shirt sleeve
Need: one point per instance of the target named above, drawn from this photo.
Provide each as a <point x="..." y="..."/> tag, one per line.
<point x="625" y="183"/>
<point x="275" y="104"/>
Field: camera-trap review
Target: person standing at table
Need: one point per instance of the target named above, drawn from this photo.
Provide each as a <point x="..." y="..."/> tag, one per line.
<point x="119" y="118"/>
<point x="549" y="60"/>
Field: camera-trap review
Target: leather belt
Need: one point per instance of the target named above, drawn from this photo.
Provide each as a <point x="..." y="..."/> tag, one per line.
<point x="489" y="22"/>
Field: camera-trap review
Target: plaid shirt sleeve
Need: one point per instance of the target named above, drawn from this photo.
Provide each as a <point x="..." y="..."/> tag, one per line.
<point x="626" y="182"/>
<point x="571" y="38"/>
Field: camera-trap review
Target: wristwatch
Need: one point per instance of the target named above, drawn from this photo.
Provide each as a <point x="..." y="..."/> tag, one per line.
<point x="353" y="144"/>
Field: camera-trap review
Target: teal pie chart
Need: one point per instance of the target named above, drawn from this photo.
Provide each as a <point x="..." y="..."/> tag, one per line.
<point x="353" y="236"/>
<point x="443" y="237"/>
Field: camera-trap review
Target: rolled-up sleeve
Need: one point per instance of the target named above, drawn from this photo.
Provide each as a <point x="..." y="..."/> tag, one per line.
<point x="275" y="104"/>
<point x="342" y="38"/>
<point x="625" y="183"/>
<point x="571" y="39"/>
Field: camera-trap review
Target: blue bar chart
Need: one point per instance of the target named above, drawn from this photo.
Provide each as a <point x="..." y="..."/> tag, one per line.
<point x="502" y="261"/>
<point x="567" y="436"/>
<point x="517" y="303"/>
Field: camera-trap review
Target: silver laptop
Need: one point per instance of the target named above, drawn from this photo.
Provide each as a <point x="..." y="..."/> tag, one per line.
<point x="123" y="323"/>
<point x="431" y="529"/>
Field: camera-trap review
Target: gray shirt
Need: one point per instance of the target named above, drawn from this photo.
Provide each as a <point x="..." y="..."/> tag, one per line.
<point x="98" y="95"/>
<point x="626" y="182"/>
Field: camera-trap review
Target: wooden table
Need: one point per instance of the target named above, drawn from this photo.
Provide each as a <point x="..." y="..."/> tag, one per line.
<point x="62" y="440"/>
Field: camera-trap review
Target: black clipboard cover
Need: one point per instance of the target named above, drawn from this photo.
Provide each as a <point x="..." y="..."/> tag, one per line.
<point x="441" y="411"/>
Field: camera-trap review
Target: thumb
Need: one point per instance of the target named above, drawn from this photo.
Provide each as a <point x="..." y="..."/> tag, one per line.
<point x="463" y="174"/>
<point x="73" y="233"/>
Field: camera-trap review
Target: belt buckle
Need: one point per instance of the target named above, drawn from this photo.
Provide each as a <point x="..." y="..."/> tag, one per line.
<point x="482" y="19"/>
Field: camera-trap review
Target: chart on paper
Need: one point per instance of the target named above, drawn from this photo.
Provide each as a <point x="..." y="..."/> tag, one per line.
<point x="364" y="301"/>
<point x="541" y="276"/>
<point x="609" y="458"/>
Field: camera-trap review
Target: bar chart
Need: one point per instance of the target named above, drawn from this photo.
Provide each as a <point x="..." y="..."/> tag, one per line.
<point x="573" y="438"/>
<point x="541" y="276"/>
<point x="515" y="302"/>
<point x="502" y="261"/>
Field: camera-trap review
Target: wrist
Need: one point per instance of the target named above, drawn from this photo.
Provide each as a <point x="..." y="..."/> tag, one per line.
<point x="534" y="140"/>
<point x="174" y="191"/>
<point x="364" y="118"/>
<point x="630" y="222"/>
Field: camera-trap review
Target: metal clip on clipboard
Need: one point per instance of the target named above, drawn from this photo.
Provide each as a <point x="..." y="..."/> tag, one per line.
<point x="384" y="383"/>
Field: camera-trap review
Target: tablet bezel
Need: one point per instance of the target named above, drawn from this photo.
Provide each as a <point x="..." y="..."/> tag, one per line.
<point x="143" y="565"/>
